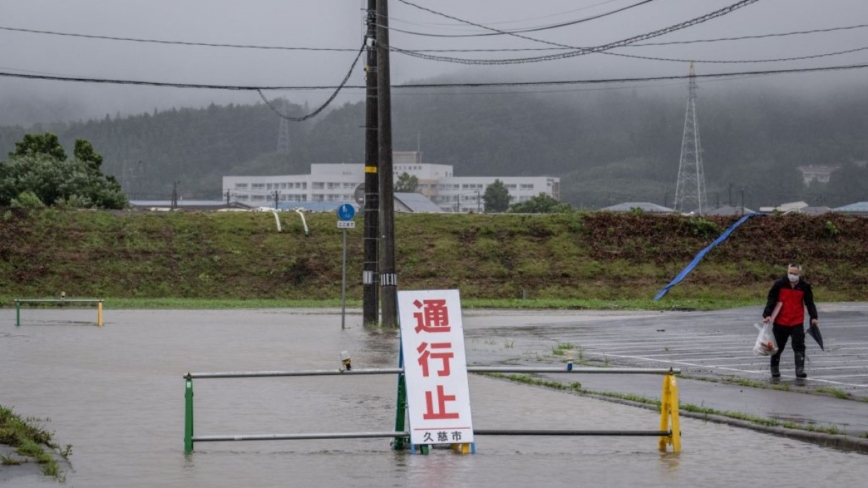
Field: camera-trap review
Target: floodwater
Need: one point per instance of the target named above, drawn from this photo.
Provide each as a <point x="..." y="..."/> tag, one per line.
<point x="117" y="395"/>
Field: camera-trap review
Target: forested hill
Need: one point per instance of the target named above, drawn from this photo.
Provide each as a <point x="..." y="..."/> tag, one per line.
<point x="607" y="146"/>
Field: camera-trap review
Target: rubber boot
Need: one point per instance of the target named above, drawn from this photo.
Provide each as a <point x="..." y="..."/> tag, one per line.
<point x="776" y="372"/>
<point x="800" y="365"/>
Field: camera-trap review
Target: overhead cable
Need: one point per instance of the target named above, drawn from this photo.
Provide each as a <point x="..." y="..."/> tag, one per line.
<point x="296" y="48"/>
<point x="558" y="14"/>
<point x="433" y="85"/>
<point x="529" y="29"/>
<point x="181" y="43"/>
<point x="327" y="102"/>
<point x="741" y="61"/>
<point x="647" y="44"/>
<point x="579" y="51"/>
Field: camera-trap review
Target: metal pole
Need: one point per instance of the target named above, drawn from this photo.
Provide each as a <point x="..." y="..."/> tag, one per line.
<point x="344" y="283"/>
<point x="17" y="313"/>
<point x="400" y="410"/>
<point x="99" y="314"/>
<point x="370" y="276"/>
<point x="388" y="274"/>
<point x="188" y="417"/>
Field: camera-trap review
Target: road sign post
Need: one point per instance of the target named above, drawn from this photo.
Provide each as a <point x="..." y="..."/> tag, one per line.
<point x="346" y="212"/>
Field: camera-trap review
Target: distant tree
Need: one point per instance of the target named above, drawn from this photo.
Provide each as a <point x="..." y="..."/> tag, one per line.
<point x="84" y="152"/>
<point x="46" y="144"/>
<point x="32" y="178"/>
<point x="541" y="203"/>
<point x="406" y="184"/>
<point x="496" y="197"/>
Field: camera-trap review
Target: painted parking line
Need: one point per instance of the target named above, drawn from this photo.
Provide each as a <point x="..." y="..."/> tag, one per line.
<point x="725" y="368"/>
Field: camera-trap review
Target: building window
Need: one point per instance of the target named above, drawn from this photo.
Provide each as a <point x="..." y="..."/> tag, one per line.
<point x="240" y="186"/>
<point x="317" y="185"/>
<point x="527" y="186"/>
<point x="257" y="186"/>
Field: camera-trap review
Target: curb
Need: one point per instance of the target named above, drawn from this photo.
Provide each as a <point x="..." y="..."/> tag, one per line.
<point x="842" y="442"/>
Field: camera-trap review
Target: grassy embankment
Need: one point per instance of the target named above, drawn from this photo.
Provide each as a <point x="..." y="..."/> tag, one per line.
<point x="30" y="442"/>
<point x="567" y="261"/>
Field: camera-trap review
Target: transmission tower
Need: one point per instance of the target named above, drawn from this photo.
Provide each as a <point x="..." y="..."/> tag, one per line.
<point x="283" y="135"/>
<point x="690" y="188"/>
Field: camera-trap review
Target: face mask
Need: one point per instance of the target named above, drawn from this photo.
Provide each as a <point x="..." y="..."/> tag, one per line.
<point x="793" y="278"/>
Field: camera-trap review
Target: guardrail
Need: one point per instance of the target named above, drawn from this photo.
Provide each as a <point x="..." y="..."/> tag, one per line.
<point x="669" y="433"/>
<point x="19" y="301"/>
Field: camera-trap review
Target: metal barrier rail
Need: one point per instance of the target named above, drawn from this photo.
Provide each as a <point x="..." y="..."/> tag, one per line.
<point x="98" y="301"/>
<point x="669" y="433"/>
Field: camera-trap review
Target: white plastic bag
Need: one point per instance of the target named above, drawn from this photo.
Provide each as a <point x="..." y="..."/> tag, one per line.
<point x="765" y="345"/>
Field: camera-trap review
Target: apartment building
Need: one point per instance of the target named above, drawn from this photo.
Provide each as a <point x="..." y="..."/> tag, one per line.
<point x="337" y="183"/>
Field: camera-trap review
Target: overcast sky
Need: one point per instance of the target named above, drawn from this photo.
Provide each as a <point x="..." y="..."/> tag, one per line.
<point x="338" y="24"/>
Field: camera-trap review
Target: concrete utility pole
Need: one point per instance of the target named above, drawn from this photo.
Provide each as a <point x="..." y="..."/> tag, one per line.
<point x="276" y="199"/>
<point x="388" y="274"/>
<point x="370" y="285"/>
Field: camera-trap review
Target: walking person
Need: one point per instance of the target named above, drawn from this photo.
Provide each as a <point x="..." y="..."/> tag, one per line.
<point x="793" y="294"/>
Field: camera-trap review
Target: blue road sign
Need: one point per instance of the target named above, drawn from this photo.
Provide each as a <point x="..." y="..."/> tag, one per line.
<point x="346" y="212"/>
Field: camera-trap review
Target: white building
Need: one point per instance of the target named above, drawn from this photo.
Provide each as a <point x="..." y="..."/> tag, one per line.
<point x="337" y="183"/>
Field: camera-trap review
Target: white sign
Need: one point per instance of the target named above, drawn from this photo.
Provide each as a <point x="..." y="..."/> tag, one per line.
<point x="346" y="224"/>
<point x="435" y="368"/>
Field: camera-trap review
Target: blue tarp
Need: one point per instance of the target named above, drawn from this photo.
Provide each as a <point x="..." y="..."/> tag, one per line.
<point x="683" y="274"/>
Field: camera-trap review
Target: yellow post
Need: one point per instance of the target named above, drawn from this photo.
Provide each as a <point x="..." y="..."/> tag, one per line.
<point x="99" y="313"/>
<point x="669" y="420"/>
<point x="461" y="448"/>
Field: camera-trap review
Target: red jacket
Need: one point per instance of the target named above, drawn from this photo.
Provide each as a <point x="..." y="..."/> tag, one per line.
<point x="794" y="300"/>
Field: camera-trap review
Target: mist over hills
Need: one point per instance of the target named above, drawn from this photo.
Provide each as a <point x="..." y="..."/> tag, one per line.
<point x="607" y="146"/>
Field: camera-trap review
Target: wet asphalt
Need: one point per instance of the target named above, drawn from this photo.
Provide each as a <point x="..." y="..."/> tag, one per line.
<point x="713" y="350"/>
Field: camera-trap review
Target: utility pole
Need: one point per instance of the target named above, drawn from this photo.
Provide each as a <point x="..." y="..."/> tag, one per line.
<point x="276" y="199"/>
<point x="370" y="285"/>
<point x="477" y="201"/>
<point x="388" y="274"/>
<point x="227" y="197"/>
<point x="174" y="203"/>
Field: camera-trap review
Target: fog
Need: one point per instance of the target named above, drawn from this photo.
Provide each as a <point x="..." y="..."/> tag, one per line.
<point x="339" y="24"/>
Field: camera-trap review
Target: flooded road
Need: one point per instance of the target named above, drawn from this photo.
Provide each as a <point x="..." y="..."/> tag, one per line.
<point x="117" y="395"/>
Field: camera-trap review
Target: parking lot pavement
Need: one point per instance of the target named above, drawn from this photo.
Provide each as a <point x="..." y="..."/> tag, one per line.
<point x="707" y="347"/>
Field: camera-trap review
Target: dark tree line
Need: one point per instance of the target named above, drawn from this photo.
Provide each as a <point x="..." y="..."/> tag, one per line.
<point x="607" y="147"/>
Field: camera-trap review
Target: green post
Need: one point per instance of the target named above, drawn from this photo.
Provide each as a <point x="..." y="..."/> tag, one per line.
<point x="17" y="313"/>
<point x="188" y="417"/>
<point x="400" y="413"/>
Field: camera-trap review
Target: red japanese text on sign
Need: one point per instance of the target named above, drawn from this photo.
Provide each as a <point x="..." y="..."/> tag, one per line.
<point x="440" y="413"/>
<point x="444" y="356"/>
<point x="434" y="316"/>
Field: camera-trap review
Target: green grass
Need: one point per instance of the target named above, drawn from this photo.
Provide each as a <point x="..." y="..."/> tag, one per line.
<point x="598" y="261"/>
<point x="835" y="392"/>
<point x="30" y="440"/>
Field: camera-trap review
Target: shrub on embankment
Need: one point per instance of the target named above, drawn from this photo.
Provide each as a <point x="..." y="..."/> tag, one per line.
<point x="576" y="255"/>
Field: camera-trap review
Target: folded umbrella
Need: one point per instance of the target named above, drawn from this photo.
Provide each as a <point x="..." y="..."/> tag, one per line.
<point x="814" y="332"/>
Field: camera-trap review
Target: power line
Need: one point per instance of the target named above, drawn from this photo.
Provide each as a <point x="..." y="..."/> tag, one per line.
<point x="741" y="61"/>
<point x="296" y="48"/>
<point x="559" y="14"/>
<point x="433" y="85"/>
<point x="181" y="43"/>
<point x="578" y="50"/>
<point x="327" y="102"/>
<point x="646" y="44"/>
<point x="517" y="31"/>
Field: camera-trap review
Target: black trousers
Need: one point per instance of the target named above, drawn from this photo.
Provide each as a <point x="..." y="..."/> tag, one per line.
<point x="782" y="334"/>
